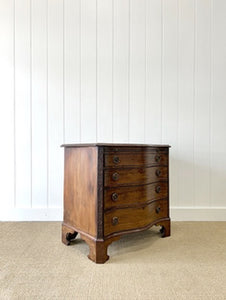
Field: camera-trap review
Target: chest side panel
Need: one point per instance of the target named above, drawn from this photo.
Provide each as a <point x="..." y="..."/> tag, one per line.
<point x="80" y="188"/>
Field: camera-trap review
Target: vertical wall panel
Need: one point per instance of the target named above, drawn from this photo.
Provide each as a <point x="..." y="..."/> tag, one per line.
<point x="7" y="103"/>
<point x="148" y="71"/>
<point x="23" y="103"/>
<point x="153" y="105"/>
<point x="104" y="70"/>
<point x="186" y="103"/>
<point x="88" y="71"/>
<point x="218" y="105"/>
<point x="202" y="103"/>
<point x="137" y="70"/>
<point x="55" y="102"/>
<point x="72" y="69"/>
<point x="39" y="103"/>
<point x="170" y="88"/>
<point x="120" y="70"/>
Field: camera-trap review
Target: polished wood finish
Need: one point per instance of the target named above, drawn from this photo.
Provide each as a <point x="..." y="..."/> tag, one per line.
<point x="98" y="249"/>
<point x="125" y="196"/>
<point x="114" y="189"/>
<point x="135" y="159"/>
<point x="80" y="188"/>
<point x="134" y="217"/>
<point x="134" y="176"/>
<point x="114" y="147"/>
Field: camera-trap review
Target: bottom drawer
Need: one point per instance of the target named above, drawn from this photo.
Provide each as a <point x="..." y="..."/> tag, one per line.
<point x="135" y="217"/>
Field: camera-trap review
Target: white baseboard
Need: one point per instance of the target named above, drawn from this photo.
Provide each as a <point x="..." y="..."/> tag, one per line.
<point x="198" y="213"/>
<point x="31" y="214"/>
<point x="56" y="214"/>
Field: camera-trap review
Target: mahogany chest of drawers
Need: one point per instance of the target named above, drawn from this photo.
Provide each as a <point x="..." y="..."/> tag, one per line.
<point x="114" y="189"/>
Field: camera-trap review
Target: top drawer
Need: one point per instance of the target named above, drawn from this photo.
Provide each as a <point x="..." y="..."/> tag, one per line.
<point x="145" y="158"/>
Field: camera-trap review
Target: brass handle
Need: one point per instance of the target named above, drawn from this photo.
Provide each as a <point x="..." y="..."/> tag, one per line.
<point x="158" y="209"/>
<point x="157" y="158"/>
<point x="158" y="189"/>
<point x="114" y="220"/>
<point x="116" y="160"/>
<point x="114" y="196"/>
<point x="158" y="172"/>
<point x="115" y="176"/>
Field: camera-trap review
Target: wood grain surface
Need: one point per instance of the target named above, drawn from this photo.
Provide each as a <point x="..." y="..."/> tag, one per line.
<point x="80" y="189"/>
<point x="133" y="195"/>
<point x="134" y="218"/>
<point x="132" y="176"/>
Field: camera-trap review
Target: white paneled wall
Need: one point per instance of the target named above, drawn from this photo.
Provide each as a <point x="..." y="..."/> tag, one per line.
<point x="143" y="71"/>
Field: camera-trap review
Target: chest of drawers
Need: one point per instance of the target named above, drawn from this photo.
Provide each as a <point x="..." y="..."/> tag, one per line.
<point x="114" y="189"/>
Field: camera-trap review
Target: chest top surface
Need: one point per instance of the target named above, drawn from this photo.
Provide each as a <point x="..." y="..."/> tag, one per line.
<point x="115" y="145"/>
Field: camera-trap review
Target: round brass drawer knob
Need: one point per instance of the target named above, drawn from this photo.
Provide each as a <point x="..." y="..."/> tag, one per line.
<point x="157" y="158"/>
<point x="114" y="220"/>
<point x="158" y="209"/>
<point x="158" y="189"/>
<point x="115" y="176"/>
<point x="114" y="196"/>
<point x="116" y="160"/>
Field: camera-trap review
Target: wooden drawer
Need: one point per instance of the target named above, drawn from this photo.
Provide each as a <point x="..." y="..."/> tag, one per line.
<point x="118" y="220"/>
<point x="134" y="176"/>
<point x="124" y="196"/>
<point x="145" y="158"/>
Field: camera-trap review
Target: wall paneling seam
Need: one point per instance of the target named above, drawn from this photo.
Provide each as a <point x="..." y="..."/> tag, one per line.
<point x="112" y="76"/>
<point x="47" y="101"/>
<point x="63" y="58"/>
<point x="14" y="100"/>
<point x="31" y="96"/>
<point x="211" y="99"/>
<point x="129" y="58"/>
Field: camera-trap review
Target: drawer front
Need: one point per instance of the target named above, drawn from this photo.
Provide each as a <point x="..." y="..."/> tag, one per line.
<point x="137" y="148"/>
<point x="124" y="196"/>
<point x="132" y="176"/>
<point x="134" y="218"/>
<point x="135" y="159"/>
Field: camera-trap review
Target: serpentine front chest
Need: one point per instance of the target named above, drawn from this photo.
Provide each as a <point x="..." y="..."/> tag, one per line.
<point x="114" y="189"/>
